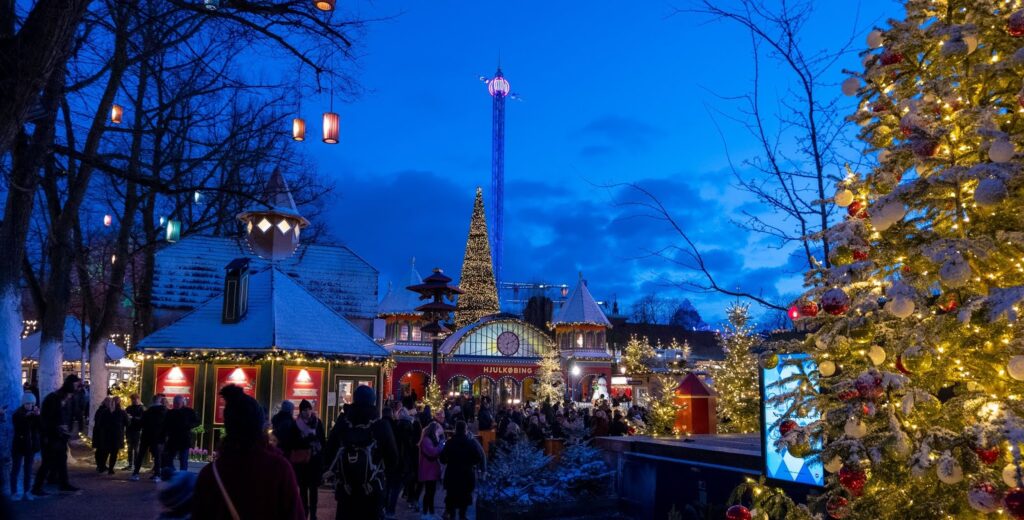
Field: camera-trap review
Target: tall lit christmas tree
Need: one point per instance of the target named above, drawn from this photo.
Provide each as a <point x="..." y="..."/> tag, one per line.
<point x="550" y="384"/>
<point x="920" y="365"/>
<point x="637" y="356"/>
<point x="736" y="382"/>
<point x="477" y="278"/>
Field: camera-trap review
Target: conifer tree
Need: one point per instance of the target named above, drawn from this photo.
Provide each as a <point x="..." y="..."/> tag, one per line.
<point x="920" y="364"/>
<point x="550" y="384"/>
<point x="637" y="356"/>
<point x="480" y="296"/>
<point x="433" y="395"/>
<point x="664" y="406"/>
<point x="736" y="378"/>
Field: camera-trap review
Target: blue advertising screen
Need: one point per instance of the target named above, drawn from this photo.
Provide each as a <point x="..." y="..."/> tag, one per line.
<point x="780" y="464"/>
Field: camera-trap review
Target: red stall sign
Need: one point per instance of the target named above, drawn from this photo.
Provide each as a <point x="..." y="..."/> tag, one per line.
<point x="244" y="377"/>
<point x="175" y="380"/>
<point x="303" y="383"/>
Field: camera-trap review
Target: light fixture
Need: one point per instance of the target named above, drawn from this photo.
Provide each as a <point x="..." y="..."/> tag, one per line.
<point x="575" y="370"/>
<point x="324" y="5"/>
<point x="173" y="230"/>
<point x="264" y="225"/>
<point x="211" y="5"/>
<point x="331" y="127"/>
<point x="108" y="220"/>
<point x="298" y="129"/>
<point x="116" y="111"/>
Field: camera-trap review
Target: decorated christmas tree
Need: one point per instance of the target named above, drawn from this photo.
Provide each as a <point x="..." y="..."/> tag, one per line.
<point x="736" y="381"/>
<point x="920" y="365"/>
<point x="477" y="278"/>
<point x="550" y="385"/>
<point x="637" y="356"/>
<point x="432" y="395"/>
<point x="663" y="406"/>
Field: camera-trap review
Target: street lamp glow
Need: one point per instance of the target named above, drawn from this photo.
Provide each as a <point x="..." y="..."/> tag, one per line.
<point x="575" y="370"/>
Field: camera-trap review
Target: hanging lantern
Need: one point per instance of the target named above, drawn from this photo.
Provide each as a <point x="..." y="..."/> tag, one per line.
<point x="107" y="220"/>
<point x="565" y="291"/>
<point x="324" y="5"/>
<point x="116" y="111"/>
<point x="330" y="127"/>
<point x="211" y="5"/>
<point x="299" y="129"/>
<point x="272" y="227"/>
<point x="173" y="230"/>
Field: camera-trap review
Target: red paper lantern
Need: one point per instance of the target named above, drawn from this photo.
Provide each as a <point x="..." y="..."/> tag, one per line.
<point x="853" y="480"/>
<point x="857" y="209"/>
<point x="737" y="512"/>
<point x="837" y="507"/>
<point x="989" y="455"/>
<point x="787" y="426"/>
<point x="1014" y="503"/>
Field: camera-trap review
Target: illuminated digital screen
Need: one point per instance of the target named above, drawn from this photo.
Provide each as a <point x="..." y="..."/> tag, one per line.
<point x="780" y="464"/>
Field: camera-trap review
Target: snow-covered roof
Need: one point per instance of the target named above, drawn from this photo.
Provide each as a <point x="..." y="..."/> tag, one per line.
<point x="281" y="313"/>
<point x="74" y="343"/>
<point x="191" y="272"/>
<point x="400" y="300"/>
<point x="580" y="307"/>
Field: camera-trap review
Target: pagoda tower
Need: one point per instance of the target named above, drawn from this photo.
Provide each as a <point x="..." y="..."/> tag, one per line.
<point x="477" y="277"/>
<point x="581" y="326"/>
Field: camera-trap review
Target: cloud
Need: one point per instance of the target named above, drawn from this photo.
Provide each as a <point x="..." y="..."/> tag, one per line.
<point x="613" y="133"/>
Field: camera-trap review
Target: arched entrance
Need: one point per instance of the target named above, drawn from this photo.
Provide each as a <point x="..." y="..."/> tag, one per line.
<point x="459" y="385"/>
<point x="508" y="391"/>
<point x="484" y="386"/>
<point x="414" y="382"/>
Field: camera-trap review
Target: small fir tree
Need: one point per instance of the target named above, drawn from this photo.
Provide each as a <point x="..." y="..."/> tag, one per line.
<point x="433" y="396"/>
<point x="736" y="381"/>
<point x="550" y="384"/>
<point x="664" y="406"/>
<point x="638" y="356"/>
<point x="480" y="296"/>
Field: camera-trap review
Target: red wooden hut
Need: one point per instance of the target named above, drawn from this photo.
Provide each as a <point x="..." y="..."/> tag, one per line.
<point x="698" y="415"/>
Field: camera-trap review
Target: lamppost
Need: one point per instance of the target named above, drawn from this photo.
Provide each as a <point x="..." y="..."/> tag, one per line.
<point x="437" y="287"/>
<point x="575" y="374"/>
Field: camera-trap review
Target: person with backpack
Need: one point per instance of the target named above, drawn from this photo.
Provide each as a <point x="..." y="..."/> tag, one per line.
<point x="250" y="479"/>
<point x="360" y="448"/>
<point x="431" y="444"/>
<point x="461" y="456"/>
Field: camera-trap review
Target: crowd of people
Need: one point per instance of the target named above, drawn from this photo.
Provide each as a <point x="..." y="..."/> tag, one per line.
<point x="372" y="459"/>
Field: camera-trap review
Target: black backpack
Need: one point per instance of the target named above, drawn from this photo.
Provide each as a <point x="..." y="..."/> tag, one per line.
<point x="358" y="464"/>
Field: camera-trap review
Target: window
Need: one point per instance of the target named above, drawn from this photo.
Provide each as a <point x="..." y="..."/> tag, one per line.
<point x="483" y="341"/>
<point x="404" y="333"/>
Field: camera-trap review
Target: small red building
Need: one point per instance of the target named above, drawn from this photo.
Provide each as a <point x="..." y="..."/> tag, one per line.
<point x="699" y="413"/>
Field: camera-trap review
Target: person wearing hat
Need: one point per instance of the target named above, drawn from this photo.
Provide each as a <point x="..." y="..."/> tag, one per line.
<point x="25" y="444"/>
<point x="249" y="479"/>
<point x="55" y="419"/>
<point x="361" y="500"/>
<point x="310" y="473"/>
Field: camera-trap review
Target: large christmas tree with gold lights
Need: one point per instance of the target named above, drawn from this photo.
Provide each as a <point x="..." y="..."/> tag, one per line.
<point x="739" y="397"/>
<point x="914" y="324"/>
<point x="480" y="296"/>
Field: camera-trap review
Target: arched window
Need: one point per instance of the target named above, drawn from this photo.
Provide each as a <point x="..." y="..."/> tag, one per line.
<point x="404" y="333"/>
<point x="517" y="339"/>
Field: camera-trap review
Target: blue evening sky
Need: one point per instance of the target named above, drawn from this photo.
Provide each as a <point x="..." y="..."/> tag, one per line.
<point x="611" y="92"/>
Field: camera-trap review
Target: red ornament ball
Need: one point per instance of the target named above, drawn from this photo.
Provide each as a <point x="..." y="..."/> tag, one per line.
<point x="835" y="302"/>
<point x="853" y="480"/>
<point x="890" y="58"/>
<point x="848" y="395"/>
<point x="860" y="254"/>
<point x="857" y="209"/>
<point x="924" y="147"/>
<point x="809" y="309"/>
<point x="787" y="426"/>
<point x="880" y="106"/>
<point x="1015" y="24"/>
<point x="869" y="386"/>
<point x="988" y="455"/>
<point x="899" y="365"/>
<point x="1013" y="501"/>
<point x="838" y="507"/>
<point x="950" y="304"/>
<point x="737" y="512"/>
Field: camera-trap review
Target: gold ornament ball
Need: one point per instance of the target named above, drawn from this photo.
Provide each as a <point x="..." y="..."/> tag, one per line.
<point x="844" y="197"/>
<point x="842" y="255"/>
<point x="861" y="334"/>
<point x="917" y="359"/>
<point x="800" y="449"/>
<point x="768" y="360"/>
<point x="876" y="354"/>
<point x="834" y="465"/>
<point x="1016" y="368"/>
<point x="827" y="368"/>
<point x="1010" y="475"/>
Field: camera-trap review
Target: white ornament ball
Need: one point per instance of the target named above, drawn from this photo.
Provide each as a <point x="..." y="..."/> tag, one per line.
<point x="875" y="39"/>
<point x="955" y="273"/>
<point x="850" y="86"/>
<point x="972" y="43"/>
<point x="883" y="156"/>
<point x="855" y="428"/>
<point x="949" y="470"/>
<point x="1010" y="475"/>
<point x="1016" y="368"/>
<point x="990" y="193"/>
<point x="900" y="306"/>
<point x="844" y="197"/>
<point x="955" y="46"/>
<point x="1001" y="151"/>
<point x="884" y="217"/>
<point x="876" y="354"/>
<point x="827" y="368"/>
<point x="834" y="465"/>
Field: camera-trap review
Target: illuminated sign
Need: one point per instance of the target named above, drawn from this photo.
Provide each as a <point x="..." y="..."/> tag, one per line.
<point x="509" y="370"/>
<point x="303" y="383"/>
<point x="175" y="380"/>
<point x="780" y="464"/>
<point x="244" y="377"/>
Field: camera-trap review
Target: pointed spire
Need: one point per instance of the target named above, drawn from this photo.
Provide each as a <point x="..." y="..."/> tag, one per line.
<point x="401" y="301"/>
<point x="580" y="308"/>
<point x="477" y="278"/>
<point x="277" y="195"/>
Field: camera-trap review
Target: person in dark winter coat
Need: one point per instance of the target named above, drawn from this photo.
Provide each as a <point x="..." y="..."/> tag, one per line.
<point x="462" y="454"/>
<point x="133" y="431"/>
<point x="284" y="428"/>
<point x="56" y="416"/>
<point x="618" y="427"/>
<point x="108" y="431"/>
<point x="25" y="444"/>
<point x="152" y="436"/>
<point x="178" y="427"/>
<point x="362" y="414"/>
<point x="407" y="436"/>
<point x="310" y="473"/>
<point x="485" y="419"/>
<point x="258" y="482"/>
<point x="393" y="474"/>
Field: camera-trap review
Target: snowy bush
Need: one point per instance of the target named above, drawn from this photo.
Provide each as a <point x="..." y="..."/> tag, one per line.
<point x="521" y="475"/>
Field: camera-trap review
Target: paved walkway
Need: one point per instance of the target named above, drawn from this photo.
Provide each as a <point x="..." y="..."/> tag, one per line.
<point x="114" y="497"/>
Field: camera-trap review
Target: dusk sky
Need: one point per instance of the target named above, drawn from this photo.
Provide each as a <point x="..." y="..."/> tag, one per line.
<point x="611" y="92"/>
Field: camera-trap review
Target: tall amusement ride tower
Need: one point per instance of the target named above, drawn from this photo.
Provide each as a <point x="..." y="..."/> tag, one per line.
<point x="499" y="89"/>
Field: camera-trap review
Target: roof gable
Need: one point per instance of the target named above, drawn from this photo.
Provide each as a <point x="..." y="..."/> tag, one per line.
<point x="400" y="300"/>
<point x="580" y="307"/>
